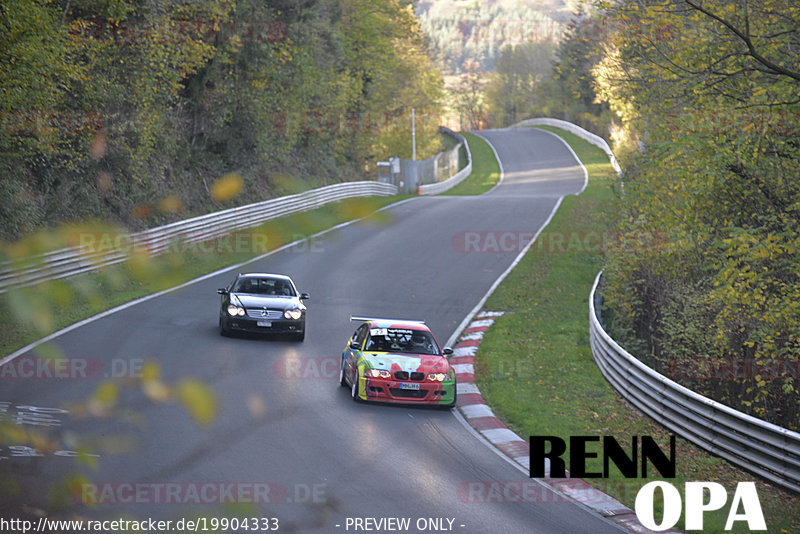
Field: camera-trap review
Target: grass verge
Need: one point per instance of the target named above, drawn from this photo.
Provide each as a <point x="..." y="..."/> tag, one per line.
<point x="535" y="366"/>
<point x="30" y="313"/>
<point x="485" y="170"/>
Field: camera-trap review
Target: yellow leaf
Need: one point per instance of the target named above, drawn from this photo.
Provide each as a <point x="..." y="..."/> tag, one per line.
<point x="199" y="400"/>
<point x="227" y="188"/>
<point x="104" y="399"/>
<point x="151" y="370"/>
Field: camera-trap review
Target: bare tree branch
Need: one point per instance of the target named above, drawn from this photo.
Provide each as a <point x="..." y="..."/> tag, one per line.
<point x="744" y="36"/>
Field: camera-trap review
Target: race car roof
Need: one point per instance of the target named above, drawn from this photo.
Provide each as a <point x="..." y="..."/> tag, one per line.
<point x="393" y="323"/>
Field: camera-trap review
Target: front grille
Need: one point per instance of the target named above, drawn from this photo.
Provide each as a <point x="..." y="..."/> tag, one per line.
<point x="401" y="375"/>
<point x="417" y="376"/>
<point x="411" y="393"/>
<point x="255" y="313"/>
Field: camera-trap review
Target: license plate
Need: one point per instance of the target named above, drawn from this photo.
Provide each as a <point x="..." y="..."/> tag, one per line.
<point x="264" y="323"/>
<point x="403" y="385"/>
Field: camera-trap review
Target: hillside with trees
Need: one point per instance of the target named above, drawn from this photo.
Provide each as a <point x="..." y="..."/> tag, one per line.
<point x="506" y="61"/>
<point x="129" y="112"/>
<point x="709" y="94"/>
<point x="551" y="79"/>
<point x="478" y="31"/>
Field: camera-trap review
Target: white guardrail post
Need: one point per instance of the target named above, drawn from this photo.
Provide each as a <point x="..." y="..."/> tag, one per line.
<point x="74" y="260"/>
<point x="71" y="261"/>
<point x="760" y="447"/>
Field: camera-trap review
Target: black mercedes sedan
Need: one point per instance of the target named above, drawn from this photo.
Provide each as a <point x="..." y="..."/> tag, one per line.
<point x="262" y="303"/>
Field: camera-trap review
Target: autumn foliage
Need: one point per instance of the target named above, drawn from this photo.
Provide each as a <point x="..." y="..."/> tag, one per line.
<point x="107" y="108"/>
<point x="708" y="93"/>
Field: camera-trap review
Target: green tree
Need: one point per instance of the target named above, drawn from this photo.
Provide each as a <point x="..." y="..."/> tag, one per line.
<point x="569" y="93"/>
<point x="712" y="88"/>
<point x="468" y="96"/>
<point x="520" y="69"/>
<point x="127" y="111"/>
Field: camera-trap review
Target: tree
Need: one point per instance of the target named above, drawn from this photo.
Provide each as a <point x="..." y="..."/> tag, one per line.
<point x="511" y="93"/>
<point x="107" y="108"/>
<point x="714" y="87"/>
<point x="468" y="96"/>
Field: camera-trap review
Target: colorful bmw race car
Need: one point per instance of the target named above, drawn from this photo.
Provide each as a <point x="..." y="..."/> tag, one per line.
<point x="398" y="361"/>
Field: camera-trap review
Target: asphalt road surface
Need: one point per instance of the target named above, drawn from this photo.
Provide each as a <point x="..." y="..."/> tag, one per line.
<point x="285" y="432"/>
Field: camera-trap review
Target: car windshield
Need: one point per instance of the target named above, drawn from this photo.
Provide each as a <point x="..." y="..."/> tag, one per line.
<point x="265" y="286"/>
<point x="401" y="340"/>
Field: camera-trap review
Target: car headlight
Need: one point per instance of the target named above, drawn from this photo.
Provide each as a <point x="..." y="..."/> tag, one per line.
<point x="235" y="310"/>
<point x="437" y="377"/>
<point x="377" y="373"/>
<point x="293" y="314"/>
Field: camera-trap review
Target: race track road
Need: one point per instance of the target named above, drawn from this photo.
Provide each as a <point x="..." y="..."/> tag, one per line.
<point x="282" y="420"/>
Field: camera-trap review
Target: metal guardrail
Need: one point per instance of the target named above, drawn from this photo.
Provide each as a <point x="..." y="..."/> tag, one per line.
<point x="71" y="261"/>
<point x="457" y="178"/>
<point x="760" y="447"/>
<point x="587" y="136"/>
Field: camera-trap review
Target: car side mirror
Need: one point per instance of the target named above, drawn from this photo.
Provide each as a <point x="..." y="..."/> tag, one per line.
<point x="447" y="351"/>
<point x="355" y="346"/>
<point x="222" y="291"/>
<point x="304" y="296"/>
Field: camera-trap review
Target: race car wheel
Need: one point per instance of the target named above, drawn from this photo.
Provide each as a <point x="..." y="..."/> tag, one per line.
<point x="222" y="330"/>
<point x="342" y="381"/>
<point x="354" y="386"/>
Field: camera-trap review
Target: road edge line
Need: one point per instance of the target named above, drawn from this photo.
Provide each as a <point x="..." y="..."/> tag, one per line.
<point x="30" y="346"/>
<point x="606" y="506"/>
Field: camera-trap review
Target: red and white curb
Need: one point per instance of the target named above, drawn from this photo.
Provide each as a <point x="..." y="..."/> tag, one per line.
<point x="479" y="415"/>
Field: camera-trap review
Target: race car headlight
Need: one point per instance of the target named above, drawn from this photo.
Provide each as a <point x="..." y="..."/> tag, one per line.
<point x="235" y="310"/>
<point x="377" y="373"/>
<point x="293" y="314"/>
<point x="437" y="377"/>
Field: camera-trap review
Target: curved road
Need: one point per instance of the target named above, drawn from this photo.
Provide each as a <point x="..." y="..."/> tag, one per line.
<point x="281" y="419"/>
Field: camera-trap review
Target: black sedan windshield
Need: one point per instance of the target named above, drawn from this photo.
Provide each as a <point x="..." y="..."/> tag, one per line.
<point x="265" y="286"/>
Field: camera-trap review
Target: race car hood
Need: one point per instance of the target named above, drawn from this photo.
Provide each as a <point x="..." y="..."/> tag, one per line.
<point x="424" y="363"/>
<point x="263" y="301"/>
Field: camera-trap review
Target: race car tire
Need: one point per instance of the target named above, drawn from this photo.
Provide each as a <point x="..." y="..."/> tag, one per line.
<point x="222" y="330"/>
<point x="354" y="387"/>
<point x="342" y="380"/>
